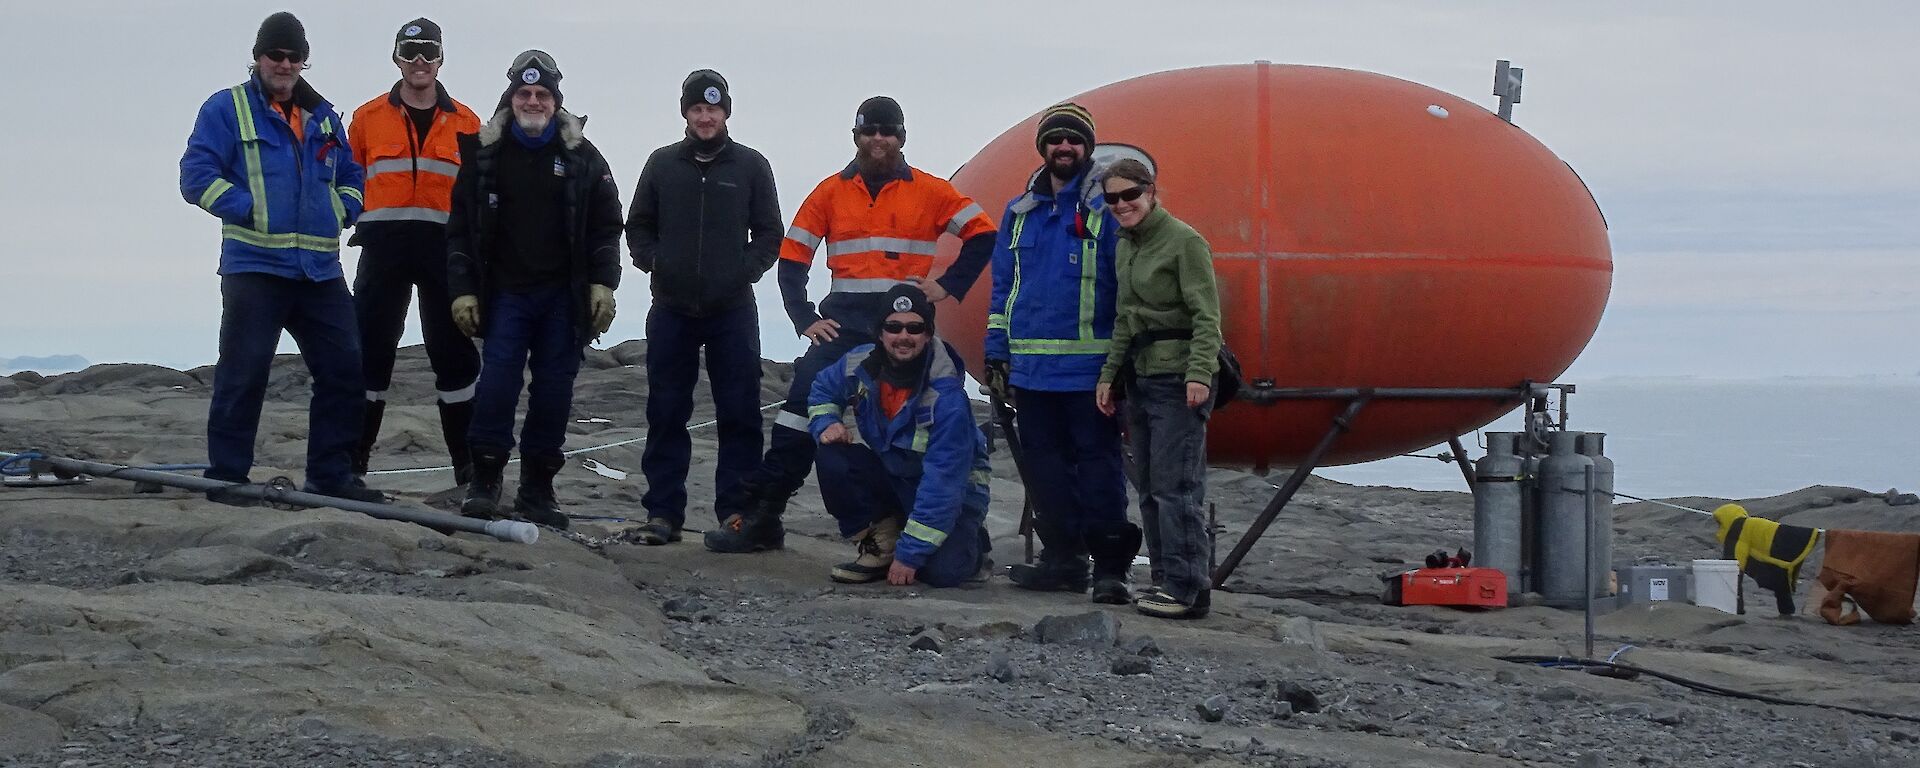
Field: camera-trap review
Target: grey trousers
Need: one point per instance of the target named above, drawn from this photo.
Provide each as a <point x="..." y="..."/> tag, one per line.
<point x="1169" y="470"/>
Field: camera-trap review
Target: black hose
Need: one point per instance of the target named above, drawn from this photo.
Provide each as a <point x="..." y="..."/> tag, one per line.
<point x="1704" y="687"/>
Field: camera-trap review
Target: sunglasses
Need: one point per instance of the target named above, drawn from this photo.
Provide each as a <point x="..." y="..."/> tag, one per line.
<point x="422" y="51"/>
<point x="282" y="55"/>
<point x="1129" y="194"/>
<point x="879" y="129"/>
<point x="895" y="326"/>
<point x="1064" y="138"/>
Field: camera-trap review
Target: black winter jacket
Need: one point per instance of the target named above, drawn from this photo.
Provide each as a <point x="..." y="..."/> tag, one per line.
<point x="706" y="236"/>
<point x="592" y="213"/>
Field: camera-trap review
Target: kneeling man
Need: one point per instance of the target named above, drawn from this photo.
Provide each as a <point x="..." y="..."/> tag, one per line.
<point x="901" y="464"/>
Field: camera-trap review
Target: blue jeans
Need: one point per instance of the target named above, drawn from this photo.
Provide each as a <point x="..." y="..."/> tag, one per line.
<point x="1169" y="442"/>
<point x="1076" y="472"/>
<point x="530" y="330"/>
<point x="674" y="342"/>
<point x="858" y="489"/>
<point x="254" y="309"/>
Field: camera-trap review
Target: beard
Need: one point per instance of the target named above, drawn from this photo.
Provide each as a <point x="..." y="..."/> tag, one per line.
<point x="1065" y="164"/>
<point x="871" y="167"/>
<point x="532" y="125"/>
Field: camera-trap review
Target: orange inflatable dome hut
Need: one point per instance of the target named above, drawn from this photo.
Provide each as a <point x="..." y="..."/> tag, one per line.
<point x="1367" y="232"/>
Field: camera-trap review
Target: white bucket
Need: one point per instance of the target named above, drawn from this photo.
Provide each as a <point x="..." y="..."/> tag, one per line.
<point x="1716" y="585"/>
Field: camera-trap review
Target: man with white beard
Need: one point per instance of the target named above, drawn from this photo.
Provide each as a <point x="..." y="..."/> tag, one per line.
<point x="533" y="257"/>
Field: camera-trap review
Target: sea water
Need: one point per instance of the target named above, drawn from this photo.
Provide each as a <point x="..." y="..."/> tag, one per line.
<point x="1719" y="437"/>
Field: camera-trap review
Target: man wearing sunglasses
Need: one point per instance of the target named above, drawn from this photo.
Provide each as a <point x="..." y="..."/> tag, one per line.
<point x="533" y="257"/>
<point x="269" y="158"/>
<point x="880" y="221"/>
<point x="1048" y="328"/>
<point x="902" y="466"/>
<point x="408" y="141"/>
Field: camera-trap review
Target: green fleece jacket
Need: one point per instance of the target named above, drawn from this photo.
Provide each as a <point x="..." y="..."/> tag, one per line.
<point x="1165" y="272"/>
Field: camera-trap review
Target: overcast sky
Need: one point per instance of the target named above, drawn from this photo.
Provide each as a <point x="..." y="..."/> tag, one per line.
<point x="1757" y="161"/>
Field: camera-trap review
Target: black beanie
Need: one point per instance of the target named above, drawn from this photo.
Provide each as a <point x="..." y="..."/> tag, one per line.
<point x="418" y="29"/>
<point x="705" y="86"/>
<point x="1065" y="117"/>
<point x="906" y="298"/>
<point x="881" y="110"/>
<point x="281" y="31"/>
<point x="527" y="70"/>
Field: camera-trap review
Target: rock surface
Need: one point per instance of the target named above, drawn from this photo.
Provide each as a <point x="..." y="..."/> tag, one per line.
<point x="366" y="643"/>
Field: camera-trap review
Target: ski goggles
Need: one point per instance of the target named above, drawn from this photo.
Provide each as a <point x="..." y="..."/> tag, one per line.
<point x="419" y="51"/>
<point x="535" y="58"/>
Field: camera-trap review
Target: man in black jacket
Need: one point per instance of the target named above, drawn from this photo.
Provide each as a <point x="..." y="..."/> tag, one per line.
<point x="705" y="223"/>
<point x="533" y="256"/>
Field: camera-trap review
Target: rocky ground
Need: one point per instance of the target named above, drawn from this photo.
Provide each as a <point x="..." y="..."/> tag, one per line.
<point x="158" y="629"/>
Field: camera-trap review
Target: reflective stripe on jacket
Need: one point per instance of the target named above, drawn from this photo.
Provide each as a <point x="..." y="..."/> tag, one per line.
<point x="409" y="178"/>
<point x="283" y="197"/>
<point x="933" y="439"/>
<point x="874" y="242"/>
<point x="1052" y="309"/>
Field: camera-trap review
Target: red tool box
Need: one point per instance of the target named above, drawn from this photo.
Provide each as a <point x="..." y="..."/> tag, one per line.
<point x="1459" y="587"/>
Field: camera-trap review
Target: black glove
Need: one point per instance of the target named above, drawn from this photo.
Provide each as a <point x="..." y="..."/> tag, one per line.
<point x="998" y="380"/>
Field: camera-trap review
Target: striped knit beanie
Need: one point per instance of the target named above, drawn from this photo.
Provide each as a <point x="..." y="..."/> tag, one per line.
<point x="1066" y="117"/>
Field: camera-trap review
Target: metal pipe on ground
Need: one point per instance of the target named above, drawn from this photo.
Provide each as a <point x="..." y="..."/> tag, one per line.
<point x="505" y="530"/>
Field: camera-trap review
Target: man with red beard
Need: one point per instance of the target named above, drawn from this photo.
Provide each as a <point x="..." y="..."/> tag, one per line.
<point x="880" y="221"/>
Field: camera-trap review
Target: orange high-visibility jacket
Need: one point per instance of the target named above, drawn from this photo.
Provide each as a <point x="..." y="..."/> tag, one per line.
<point x="405" y="184"/>
<point x="875" y="242"/>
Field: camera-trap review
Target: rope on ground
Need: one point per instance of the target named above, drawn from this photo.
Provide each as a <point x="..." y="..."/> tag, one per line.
<point x="1574" y="661"/>
<point x="1618" y="494"/>
<point x="574" y="452"/>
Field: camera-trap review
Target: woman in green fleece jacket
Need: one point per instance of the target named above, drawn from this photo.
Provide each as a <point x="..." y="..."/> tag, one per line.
<point x="1167" y="331"/>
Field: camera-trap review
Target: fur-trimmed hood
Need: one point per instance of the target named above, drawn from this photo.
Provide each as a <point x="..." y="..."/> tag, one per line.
<point x="572" y="128"/>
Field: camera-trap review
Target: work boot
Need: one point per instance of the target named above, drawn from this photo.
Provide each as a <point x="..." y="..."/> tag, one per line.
<point x="742" y="534"/>
<point x="369" y="434"/>
<point x="875" y="545"/>
<point x="659" y="530"/>
<point x="454" y="418"/>
<point x="354" y="490"/>
<point x="483" y="492"/>
<point x="1113" y="548"/>
<point x="1054" y="573"/>
<point x="1157" y="602"/>
<point x="535" y="501"/>
<point x="229" y="496"/>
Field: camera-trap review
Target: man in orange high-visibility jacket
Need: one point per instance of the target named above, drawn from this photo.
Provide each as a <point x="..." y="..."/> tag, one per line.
<point x="408" y="140"/>
<point x="879" y="222"/>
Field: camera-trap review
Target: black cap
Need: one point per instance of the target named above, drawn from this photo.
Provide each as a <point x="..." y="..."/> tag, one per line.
<point x="879" y="110"/>
<point x="281" y="31"/>
<point x="532" y="67"/>
<point x="906" y="298"/>
<point x="705" y="86"/>
<point x="421" y="28"/>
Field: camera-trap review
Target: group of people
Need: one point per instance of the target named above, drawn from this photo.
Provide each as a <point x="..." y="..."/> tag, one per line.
<point x="1104" y="312"/>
